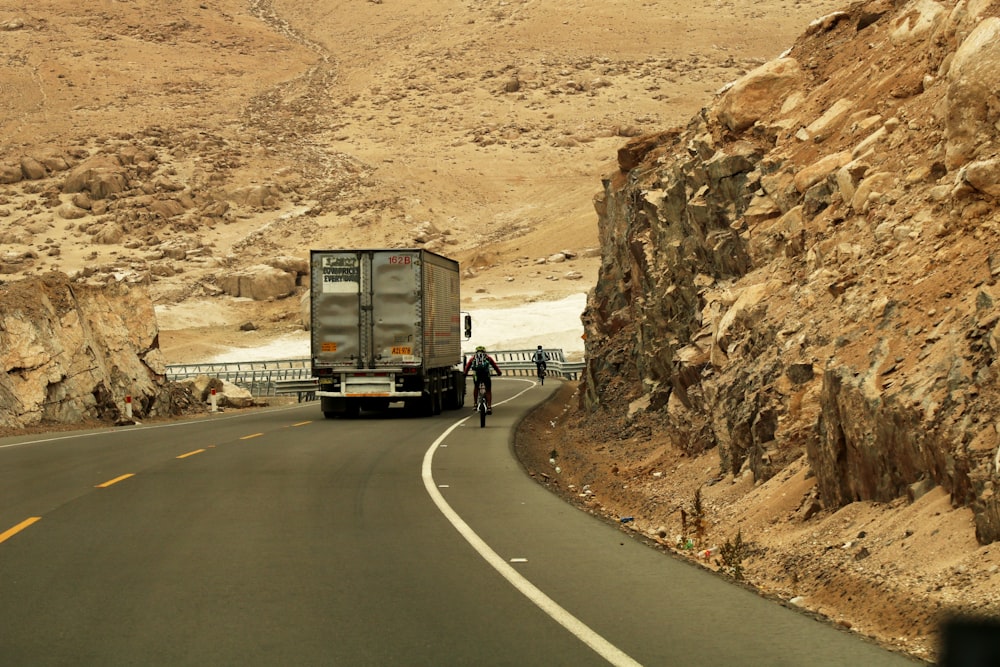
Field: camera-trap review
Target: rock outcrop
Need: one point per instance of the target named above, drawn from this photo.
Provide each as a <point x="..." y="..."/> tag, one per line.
<point x="71" y="353"/>
<point x="809" y="267"/>
<point x="259" y="283"/>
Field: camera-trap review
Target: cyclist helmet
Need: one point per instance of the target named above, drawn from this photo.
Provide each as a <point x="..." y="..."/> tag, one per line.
<point x="480" y="348"/>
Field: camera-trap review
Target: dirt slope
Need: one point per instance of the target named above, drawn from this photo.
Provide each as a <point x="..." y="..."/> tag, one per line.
<point x="493" y="121"/>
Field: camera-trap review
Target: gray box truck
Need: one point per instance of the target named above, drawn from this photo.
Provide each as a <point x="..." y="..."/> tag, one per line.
<point x="386" y="327"/>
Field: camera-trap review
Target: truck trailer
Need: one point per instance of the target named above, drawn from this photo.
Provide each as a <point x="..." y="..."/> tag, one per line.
<point x="386" y="327"/>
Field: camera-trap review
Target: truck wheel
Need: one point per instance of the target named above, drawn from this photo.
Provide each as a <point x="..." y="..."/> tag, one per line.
<point x="460" y="391"/>
<point x="456" y="396"/>
<point x="432" y="404"/>
<point x="331" y="407"/>
<point x="434" y="395"/>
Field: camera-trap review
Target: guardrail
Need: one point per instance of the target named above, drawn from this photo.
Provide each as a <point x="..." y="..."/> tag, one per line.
<point x="260" y="378"/>
<point x="304" y="389"/>
<point x="519" y="362"/>
<point x="294" y="376"/>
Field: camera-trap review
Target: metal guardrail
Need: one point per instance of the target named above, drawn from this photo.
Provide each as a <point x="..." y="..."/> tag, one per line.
<point x="519" y="362"/>
<point x="260" y="378"/>
<point x="294" y="376"/>
<point x="304" y="389"/>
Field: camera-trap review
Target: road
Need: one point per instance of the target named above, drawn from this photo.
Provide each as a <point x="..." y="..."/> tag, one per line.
<point x="280" y="538"/>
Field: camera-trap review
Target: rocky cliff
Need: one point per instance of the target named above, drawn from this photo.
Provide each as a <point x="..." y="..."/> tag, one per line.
<point x="808" y="268"/>
<point x="73" y="352"/>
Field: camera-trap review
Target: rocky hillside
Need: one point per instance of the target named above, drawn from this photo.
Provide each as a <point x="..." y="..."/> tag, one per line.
<point x="73" y="353"/>
<point x="810" y="265"/>
<point x="802" y="280"/>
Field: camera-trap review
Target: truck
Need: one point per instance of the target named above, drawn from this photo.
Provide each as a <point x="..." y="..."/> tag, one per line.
<point x="385" y="328"/>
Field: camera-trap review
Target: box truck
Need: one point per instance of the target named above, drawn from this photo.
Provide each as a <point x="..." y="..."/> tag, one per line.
<point x="386" y="327"/>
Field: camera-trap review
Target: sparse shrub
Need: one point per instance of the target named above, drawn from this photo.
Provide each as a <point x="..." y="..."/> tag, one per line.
<point x="732" y="555"/>
<point x="698" y="517"/>
<point x="693" y="524"/>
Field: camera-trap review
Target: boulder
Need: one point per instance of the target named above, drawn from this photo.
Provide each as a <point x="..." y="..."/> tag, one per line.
<point x="824" y="126"/>
<point x="296" y="265"/>
<point x="32" y="169"/>
<point x="972" y="114"/>
<point x="10" y="174"/>
<point x="233" y="396"/>
<point x="983" y="175"/>
<point x="259" y="283"/>
<point x="257" y="196"/>
<point x="819" y="170"/>
<point x="100" y="175"/>
<point x="52" y="159"/>
<point x="109" y="233"/>
<point x="920" y="19"/>
<point x="70" y="211"/>
<point x="759" y="92"/>
<point x="165" y="208"/>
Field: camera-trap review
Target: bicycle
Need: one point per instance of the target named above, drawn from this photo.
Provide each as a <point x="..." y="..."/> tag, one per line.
<point x="481" y="407"/>
<point x="541" y="373"/>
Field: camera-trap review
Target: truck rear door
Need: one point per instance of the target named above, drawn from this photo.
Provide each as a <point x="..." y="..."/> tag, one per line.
<point x="395" y="308"/>
<point x="336" y="321"/>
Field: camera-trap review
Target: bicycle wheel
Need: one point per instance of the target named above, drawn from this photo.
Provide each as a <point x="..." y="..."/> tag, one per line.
<point x="482" y="418"/>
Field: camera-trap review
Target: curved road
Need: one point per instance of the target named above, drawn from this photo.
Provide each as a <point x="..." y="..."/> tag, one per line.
<point x="280" y="538"/>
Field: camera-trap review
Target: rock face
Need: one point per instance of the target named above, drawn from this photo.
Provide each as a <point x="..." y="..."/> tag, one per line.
<point x="809" y="267"/>
<point x="70" y="352"/>
<point x="259" y="283"/>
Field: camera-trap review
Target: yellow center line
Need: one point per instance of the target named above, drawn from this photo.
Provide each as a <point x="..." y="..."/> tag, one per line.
<point x="114" y="481"/>
<point x="7" y="534"/>
<point x="252" y="435"/>
<point x="197" y="451"/>
<point x="302" y="423"/>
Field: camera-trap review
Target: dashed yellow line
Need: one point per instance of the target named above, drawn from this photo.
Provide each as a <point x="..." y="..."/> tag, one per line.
<point x="114" y="481"/>
<point x="11" y="532"/>
<point x="302" y="423"/>
<point x="252" y="435"/>
<point x="197" y="451"/>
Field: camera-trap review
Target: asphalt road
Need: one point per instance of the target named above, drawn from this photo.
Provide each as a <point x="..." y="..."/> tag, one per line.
<point x="281" y="538"/>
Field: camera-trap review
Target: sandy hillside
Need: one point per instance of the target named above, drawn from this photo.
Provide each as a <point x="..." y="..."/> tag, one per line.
<point x="491" y="121"/>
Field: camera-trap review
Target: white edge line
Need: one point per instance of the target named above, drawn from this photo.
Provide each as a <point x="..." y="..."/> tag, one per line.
<point x="578" y="628"/>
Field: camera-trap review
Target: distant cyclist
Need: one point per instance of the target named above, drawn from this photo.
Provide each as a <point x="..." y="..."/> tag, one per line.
<point x="540" y="359"/>
<point x="480" y="364"/>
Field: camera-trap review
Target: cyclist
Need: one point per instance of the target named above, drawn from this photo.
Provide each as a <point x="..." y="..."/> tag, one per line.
<point x="480" y="364"/>
<point x="540" y="360"/>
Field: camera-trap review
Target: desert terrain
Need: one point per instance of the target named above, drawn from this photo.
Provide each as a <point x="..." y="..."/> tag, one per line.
<point x="481" y="128"/>
<point x="478" y="129"/>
